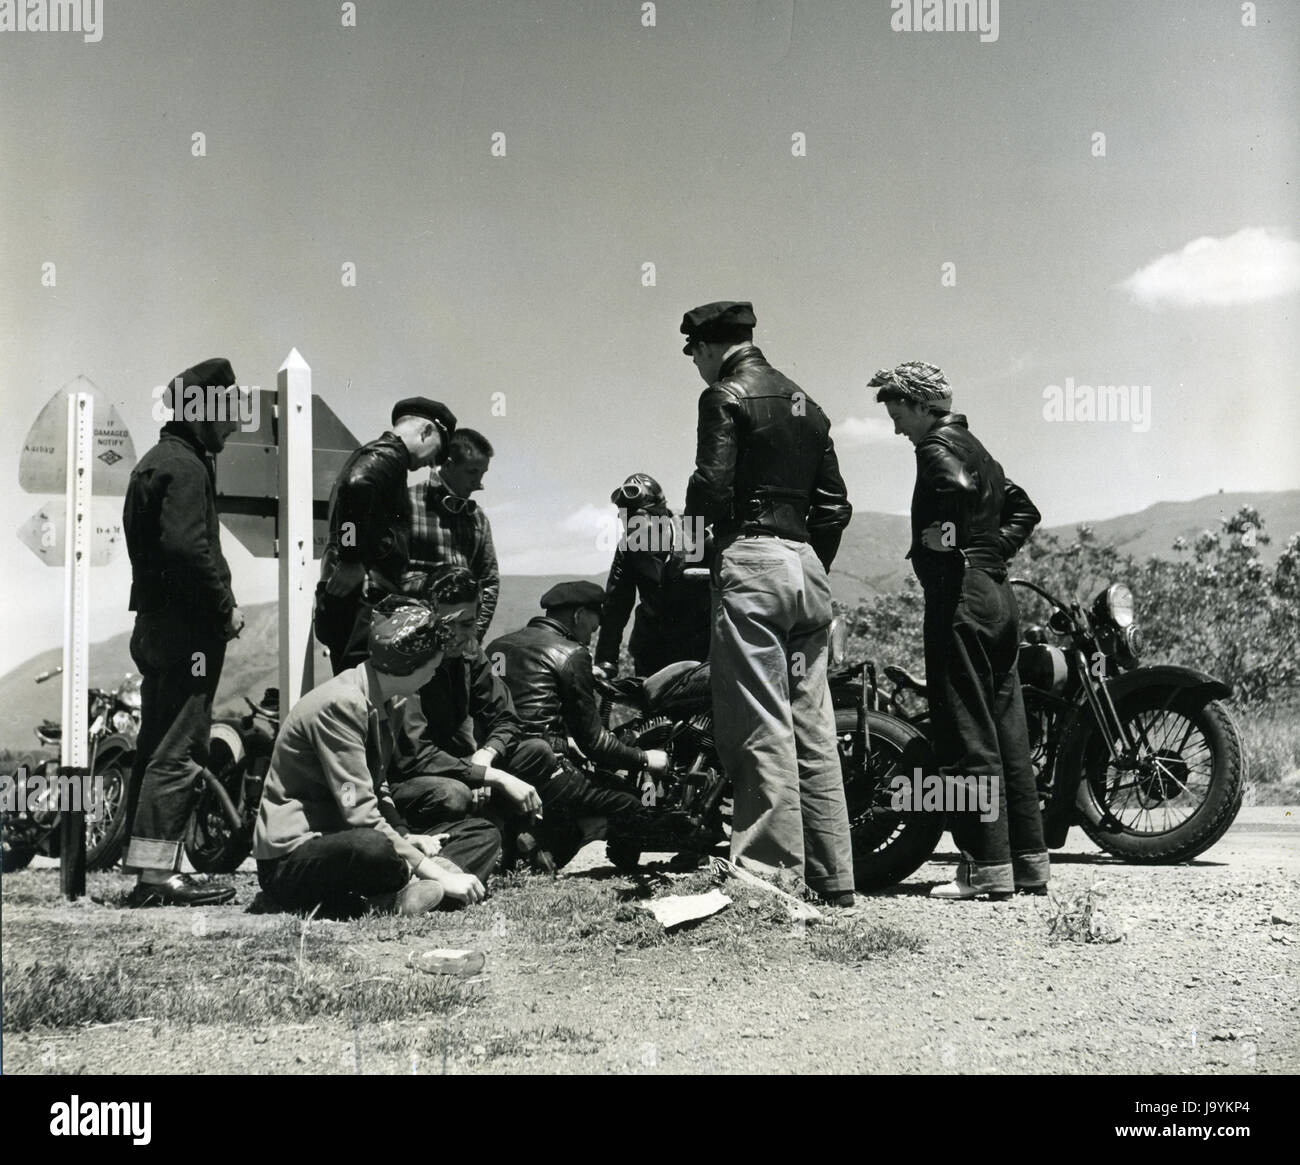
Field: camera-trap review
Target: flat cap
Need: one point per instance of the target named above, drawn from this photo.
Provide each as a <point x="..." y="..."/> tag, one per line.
<point x="405" y="633"/>
<point x="573" y="594"/>
<point x="701" y="322"/>
<point x="422" y="406"/>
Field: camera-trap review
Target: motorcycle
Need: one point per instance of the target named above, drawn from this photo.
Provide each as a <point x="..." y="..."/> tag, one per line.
<point x="671" y="710"/>
<point x="1144" y="758"/>
<point x="114" y="719"/>
<point x="219" y="833"/>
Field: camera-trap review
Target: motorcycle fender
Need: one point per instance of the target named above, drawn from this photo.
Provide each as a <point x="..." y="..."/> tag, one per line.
<point x="230" y="736"/>
<point x="1167" y="676"/>
<point x="111" y="746"/>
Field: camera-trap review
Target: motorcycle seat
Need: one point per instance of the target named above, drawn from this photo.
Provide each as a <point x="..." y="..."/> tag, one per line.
<point x="665" y="678"/>
<point x="900" y="677"/>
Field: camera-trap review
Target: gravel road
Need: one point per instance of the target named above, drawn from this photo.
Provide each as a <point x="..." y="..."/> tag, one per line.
<point x="1203" y="981"/>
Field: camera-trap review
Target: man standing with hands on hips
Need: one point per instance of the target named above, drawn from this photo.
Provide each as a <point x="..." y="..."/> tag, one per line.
<point x="767" y="480"/>
<point x="968" y="521"/>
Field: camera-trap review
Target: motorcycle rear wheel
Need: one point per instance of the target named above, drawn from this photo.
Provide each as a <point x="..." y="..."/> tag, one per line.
<point x="1188" y="793"/>
<point x="888" y="846"/>
<point x="211" y="844"/>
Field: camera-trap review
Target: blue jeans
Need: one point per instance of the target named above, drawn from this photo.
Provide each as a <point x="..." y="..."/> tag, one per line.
<point x="772" y="716"/>
<point x="180" y="669"/>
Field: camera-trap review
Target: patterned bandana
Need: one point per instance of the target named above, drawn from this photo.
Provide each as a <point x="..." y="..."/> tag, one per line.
<point x="405" y="633"/>
<point x="915" y="381"/>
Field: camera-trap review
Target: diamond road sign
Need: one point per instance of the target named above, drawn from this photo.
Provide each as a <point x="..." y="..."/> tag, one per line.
<point x="43" y="465"/>
<point x="44" y="532"/>
<point x="248" y="475"/>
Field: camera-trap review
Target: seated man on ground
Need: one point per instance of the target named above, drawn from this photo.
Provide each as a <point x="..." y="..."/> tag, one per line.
<point x="328" y="834"/>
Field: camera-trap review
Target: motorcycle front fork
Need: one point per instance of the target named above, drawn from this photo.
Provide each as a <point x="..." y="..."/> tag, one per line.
<point x="223" y="798"/>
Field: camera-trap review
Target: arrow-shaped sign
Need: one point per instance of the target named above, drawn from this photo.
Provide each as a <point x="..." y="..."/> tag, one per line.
<point x="43" y="465"/>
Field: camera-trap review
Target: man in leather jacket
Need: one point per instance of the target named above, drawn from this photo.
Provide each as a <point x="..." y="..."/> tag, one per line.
<point x="767" y="481"/>
<point x="968" y="520"/>
<point x="547" y="667"/>
<point x="672" y="617"/>
<point x="370" y="519"/>
<point x="185" y="615"/>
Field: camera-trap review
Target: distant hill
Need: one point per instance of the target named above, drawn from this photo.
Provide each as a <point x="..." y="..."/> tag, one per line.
<point x="870" y="562"/>
<point x="251" y="661"/>
<point x="871" y="559"/>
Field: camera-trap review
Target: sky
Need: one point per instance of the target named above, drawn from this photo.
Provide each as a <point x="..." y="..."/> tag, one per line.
<point x="879" y="195"/>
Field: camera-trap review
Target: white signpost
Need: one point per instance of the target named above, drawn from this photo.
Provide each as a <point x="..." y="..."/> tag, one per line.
<point x="297" y="566"/>
<point x="76" y="636"/>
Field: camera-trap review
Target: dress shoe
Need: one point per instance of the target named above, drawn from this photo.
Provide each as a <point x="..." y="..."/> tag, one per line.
<point x="1039" y="890"/>
<point x="845" y="901"/>
<point x="179" y="890"/>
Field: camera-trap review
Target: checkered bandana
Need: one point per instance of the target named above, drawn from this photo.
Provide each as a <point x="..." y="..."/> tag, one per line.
<point x="405" y="633"/>
<point x="915" y="381"/>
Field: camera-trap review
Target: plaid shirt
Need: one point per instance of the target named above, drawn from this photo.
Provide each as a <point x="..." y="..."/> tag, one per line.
<point x="440" y="539"/>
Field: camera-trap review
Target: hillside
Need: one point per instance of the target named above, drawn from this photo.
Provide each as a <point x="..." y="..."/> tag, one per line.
<point x="870" y="561"/>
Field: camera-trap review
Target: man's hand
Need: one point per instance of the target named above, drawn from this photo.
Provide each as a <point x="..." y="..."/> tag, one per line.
<point x="428" y="844"/>
<point x="463" y="887"/>
<point x="347" y="577"/>
<point x="234" y="623"/>
<point x="604" y="671"/>
<point x="520" y="794"/>
<point x="656" y="761"/>
<point x="932" y="538"/>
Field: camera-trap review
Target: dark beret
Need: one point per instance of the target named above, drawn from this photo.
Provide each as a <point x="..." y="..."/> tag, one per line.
<point x="214" y="373"/>
<point x="573" y="594"/>
<point x="422" y="406"/>
<point x="701" y="322"/>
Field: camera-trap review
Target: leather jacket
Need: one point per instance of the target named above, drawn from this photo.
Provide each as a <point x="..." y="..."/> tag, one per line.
<point x="765" y="462"/>
<point x="549" y="676"/>
<point x="173" y="535"/>
<point x="672" y="616"/>
<point x="370" y="511"/>
<point x="958" y="481"/>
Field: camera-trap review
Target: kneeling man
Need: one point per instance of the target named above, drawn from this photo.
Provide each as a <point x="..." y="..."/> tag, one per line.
<point x="328" y="833"/>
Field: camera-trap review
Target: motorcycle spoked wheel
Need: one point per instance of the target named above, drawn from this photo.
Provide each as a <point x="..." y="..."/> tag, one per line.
<point x="106" y="836"/>
<point x="1186" y="791"/>
<point x="211" y="845"/>
<point x="888" y="846"/>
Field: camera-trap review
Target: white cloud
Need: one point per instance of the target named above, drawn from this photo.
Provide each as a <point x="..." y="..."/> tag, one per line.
<point x="1253" y="265"/>
<point x="858" y="432"/>
<point x="581" y="542"/>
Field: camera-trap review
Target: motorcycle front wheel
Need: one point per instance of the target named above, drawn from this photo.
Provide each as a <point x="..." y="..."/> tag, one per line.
<point x="106" y="833"/>
<point x="888" y="846"/>
<point x="1181" y="793"/>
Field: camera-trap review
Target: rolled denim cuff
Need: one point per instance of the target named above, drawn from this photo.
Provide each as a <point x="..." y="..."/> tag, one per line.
<point x="1032" y="869"/>
<point x="994" y="877"/>
<point x="148" y="854"/>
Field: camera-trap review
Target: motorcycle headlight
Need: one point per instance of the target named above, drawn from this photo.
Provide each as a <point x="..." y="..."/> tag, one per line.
<point x="129" y="692"/>
<point x="838" y="642"/>
<point x="1115" y="604"/>
<point x="122" y="722"/>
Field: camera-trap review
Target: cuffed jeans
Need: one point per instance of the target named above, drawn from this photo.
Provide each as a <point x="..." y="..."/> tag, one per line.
<point x="772" y="716"/>
<point x="337" y="872"/>
<point x="180" y="672"/>
<point x="971" y="642"/>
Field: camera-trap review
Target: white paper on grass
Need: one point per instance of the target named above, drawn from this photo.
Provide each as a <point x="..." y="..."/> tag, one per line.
<point x="674" y="909"/>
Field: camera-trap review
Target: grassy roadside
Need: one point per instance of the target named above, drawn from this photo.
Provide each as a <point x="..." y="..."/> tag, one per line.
<point x="1271" y="735"/>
